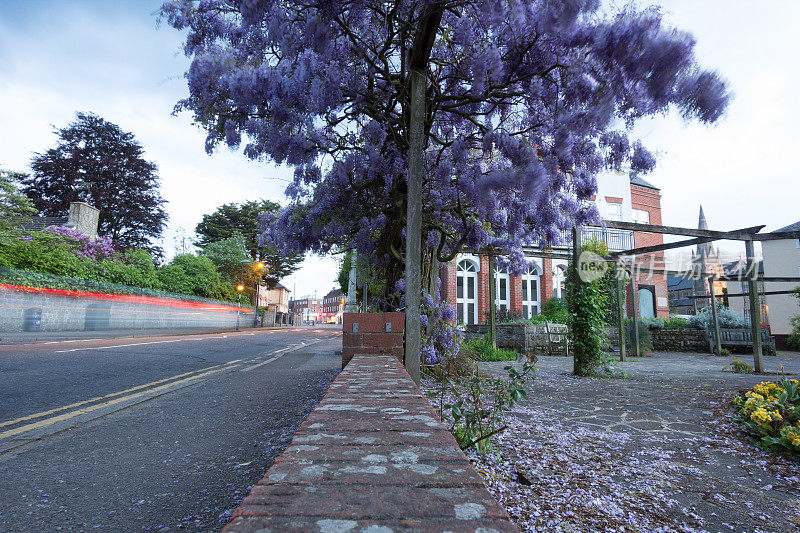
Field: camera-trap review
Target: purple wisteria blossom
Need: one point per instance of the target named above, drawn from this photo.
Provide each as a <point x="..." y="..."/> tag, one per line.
<point x="527" y="100"/>
<point x="82" y="246"/>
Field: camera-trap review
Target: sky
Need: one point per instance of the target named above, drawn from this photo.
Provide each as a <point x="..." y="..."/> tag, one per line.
<point x="112" y="58"/>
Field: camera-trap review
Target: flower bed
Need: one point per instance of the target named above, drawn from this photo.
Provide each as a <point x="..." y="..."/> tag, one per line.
<point x="771" y="412"/>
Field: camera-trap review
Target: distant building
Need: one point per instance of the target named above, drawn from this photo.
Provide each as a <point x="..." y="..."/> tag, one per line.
<point x="782" y="258"/>
<point x="275" y="299"/>
<point x="309" y="309"/>
<point x="681" y="290"/>
<point x="465" y="280"/>
<point x="333" y="306"/>
<point x="740" y="305"/>
<point x="687" y="294"/>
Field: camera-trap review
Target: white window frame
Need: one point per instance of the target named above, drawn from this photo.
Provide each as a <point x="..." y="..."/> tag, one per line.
<point x="502" y="301"/>
<point x="531" y="290"/>
<point x="614" y="211"/>
<point x="466" y="270"/>
<point x="559" y="280"/>
<point x="642" y="216"/>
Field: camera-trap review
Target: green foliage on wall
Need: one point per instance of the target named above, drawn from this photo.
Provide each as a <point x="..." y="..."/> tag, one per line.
<point x="588" y="306"/>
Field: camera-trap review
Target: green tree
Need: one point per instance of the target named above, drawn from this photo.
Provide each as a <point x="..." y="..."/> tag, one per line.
<point x="13" y="203"/>
<point x="192" y="274"/>
<point x="243" y="219"/>
<point x="227" y="255"/>
<point x="376" y="281"/>
<point x="97" y="161"/>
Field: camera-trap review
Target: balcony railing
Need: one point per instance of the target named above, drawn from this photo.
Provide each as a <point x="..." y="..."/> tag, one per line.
<point x="615" y="239"/>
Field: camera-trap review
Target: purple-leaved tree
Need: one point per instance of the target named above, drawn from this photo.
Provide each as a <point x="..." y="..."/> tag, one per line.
<point x="525" y="102"/>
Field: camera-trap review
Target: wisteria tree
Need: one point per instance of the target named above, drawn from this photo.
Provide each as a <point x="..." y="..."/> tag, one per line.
<point x="525" y="101"/>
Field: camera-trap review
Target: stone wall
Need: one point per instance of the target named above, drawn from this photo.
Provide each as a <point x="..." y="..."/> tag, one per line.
<point x="371" y="333"/>
<point x="679" y="340"/>
<point x="523" y="338"/>
<point x="372" y="457"/>
<point x="54" y="310"/>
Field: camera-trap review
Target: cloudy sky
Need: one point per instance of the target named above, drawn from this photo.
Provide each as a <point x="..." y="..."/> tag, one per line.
<point x="62" y="56"/>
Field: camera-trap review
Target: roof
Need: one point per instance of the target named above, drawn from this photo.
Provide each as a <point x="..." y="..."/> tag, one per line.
<point x="790" y="227"/>
<point x="636" y="180"/>
<point x="681" y="302"/>
<point x="739" y="268"/>
<point x="279" y="286"/>
<point x="334" y="293"/>
<point x="677" y="283"/>
<point x="40" y="223"/>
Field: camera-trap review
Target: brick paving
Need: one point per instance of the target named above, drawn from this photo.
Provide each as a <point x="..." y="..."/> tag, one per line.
<point x="372" y="457"/>
<point x="658" y="450"/>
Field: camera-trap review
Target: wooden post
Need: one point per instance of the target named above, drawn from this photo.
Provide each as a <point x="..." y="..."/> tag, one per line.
<point x="635" y="301"/>
<point x="755" y="307"/>
<point x="414" y="225"/>
<point x="620" y="275"/>
<point x="717" y="338"/>
<point x="715" y="331"/>
<point x="576" y="253"/>
<point x="492" y="331"/>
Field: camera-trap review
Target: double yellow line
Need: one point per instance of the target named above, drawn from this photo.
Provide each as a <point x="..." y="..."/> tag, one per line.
<point x="153" y="387"/>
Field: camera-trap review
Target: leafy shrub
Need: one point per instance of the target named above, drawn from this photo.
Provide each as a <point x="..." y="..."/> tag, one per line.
<point x="727" y="319"/>
<point x="589" y="305"/>
<point x="482" y="350"/>
<point x="473" y="407"/>
<point x="794" y="337"/>
<point x="45" y="252"/>
<point x="652" y="322"/>
<point x="739" y="366"/>
<point x="771" y="412"/>
<point x="675" y="322"/>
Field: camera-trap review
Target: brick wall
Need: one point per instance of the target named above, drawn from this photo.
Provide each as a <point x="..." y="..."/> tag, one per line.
<point x="647" y="199"/>
<point x="371" y="333"/>
<point x="372" y="456"/>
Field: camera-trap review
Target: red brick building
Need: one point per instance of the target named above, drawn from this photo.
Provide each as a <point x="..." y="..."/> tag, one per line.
<point x="333" y="306"/>
<point x="465" y="280"/>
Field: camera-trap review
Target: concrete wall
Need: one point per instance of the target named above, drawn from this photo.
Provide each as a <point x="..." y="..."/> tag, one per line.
<point x="53" y="310"/>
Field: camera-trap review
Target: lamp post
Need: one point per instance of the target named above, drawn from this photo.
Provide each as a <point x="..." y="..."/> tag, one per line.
<point x="239" y="289"/>
<point x="258" y="266"/>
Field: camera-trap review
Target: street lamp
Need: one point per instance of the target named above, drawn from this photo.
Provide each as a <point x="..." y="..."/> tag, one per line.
<point x="239" y="289"/>
<point x="258" y="266"/>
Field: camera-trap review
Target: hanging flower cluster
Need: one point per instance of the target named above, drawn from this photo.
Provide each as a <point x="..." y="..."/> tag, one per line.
<point x="81" y="246"/>
<point x="527" y="100"/>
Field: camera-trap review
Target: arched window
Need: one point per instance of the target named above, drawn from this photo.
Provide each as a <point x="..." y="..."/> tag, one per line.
<point x="530" y="292"/>
<point x="502" y="289"/>
<point x="467" y="292"/>
<point x="559" y="277"/>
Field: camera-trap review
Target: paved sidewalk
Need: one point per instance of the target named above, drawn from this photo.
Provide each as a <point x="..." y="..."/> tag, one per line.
<point x="659" y="449"/>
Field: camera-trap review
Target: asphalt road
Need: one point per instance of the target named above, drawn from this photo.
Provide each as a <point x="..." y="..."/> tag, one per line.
<point x="151" y="434"/>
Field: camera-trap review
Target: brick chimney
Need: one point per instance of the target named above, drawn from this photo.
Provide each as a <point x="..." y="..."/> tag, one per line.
<point x="84" y="218"/>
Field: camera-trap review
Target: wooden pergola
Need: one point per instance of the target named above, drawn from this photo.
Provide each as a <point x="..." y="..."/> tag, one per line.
<point x="698" y="236"/>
